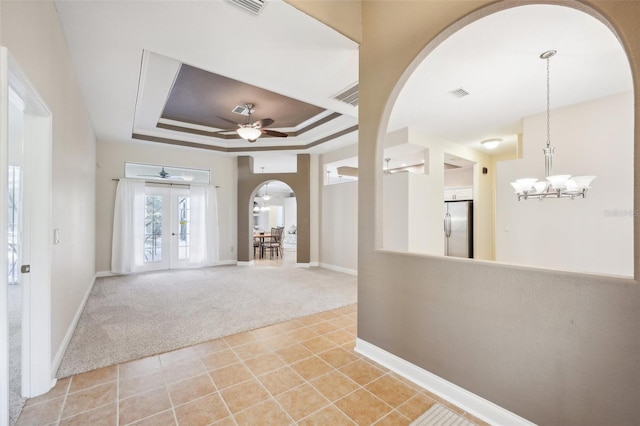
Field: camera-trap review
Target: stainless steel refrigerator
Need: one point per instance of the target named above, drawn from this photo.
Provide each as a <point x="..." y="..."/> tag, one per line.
<point x="458" y="228"/>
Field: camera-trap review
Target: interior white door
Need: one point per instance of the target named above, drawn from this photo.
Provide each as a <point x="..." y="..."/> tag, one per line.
<point x="167" y="226"/>
<point x="25" y="117"/>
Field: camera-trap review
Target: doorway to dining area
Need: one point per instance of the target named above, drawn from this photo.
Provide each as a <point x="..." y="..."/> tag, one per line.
<point x="274" y="224"/>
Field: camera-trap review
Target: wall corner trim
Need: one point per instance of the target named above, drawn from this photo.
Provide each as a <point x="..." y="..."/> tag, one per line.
<point x="470" y="402"/>
<point x="55" y="364"/>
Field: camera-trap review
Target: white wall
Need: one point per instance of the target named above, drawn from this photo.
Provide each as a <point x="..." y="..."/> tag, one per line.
<point x="32" y="33"/>
<point x="458" y="177"/>
<point x="339" y="226"/>
<point x="594" y="234"/>
<point x="111" y="158"/>
<point x="412" y="213"/>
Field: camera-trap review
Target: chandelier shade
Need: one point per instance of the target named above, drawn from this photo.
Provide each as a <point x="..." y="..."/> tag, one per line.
<point x="249" y="133"/>
<point x="553" y="186"/>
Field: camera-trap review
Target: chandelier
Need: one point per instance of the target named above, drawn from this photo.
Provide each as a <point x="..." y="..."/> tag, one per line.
<point x="553" y="186"/>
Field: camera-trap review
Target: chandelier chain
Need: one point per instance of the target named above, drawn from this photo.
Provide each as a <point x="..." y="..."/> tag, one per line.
<point x="548" y="107"/>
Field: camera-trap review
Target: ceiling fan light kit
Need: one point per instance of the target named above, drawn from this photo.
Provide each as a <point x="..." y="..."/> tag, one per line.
<point x="252" y="130"/>
<point x="554" y="186"/>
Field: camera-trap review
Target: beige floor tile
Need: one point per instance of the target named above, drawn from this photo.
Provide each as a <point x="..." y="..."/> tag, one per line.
<point x="244" y="395"/>
<point x="179" y="356"/>
<point x="416" y="405"/>
<point x="341" y="337"/>
<point x="329" y="415"/>
<point x="182" y="369"/>
<point x="391" y="390"/>
<point x="393" y="419"/>
<point x="227" y="421"/>
<point x="265" y="413"/>
<point x="103" y="416"/>
<point x="278" y="342"/>
<point x="327" y="315"/>
<point x="41" y="414"/>
<point x="251" y="350"/>
<point x="323" y="327"/>
<point x="93" y="378"/>
<point x="363" y="407"/>
<point x="310" y="320"/>
<point x="60" y="389"/>
<point x="342" y="322"/>
<point x="165" y="418"/>
<point x="219" y="359"/>
<point x="294" y="353"/>
<point x="143" y="405"/>
<point x="338" y="357"/>
<point x="319" y="344"/>
<point x="190" y="389"/>
<point x="203" y="411"/>
<point x="139" y="367"/>
<point x="89" y="399"/>
<point x="140" y="384"/>
<point x="302" y="334"/>
<point x="302" y="401"/>
<point x="240" y="339"/>
<point x="311" y="368"/>
<point x="362" y="372"/>
<point x="264" y="363"/>
<point x="289" y="325"/>
<point x="266" y="332"/>
<point x="210" y="347"/>
<point x="281" y="380"/>
<point x="230" y="375"/>
<point x="334" y="385"/>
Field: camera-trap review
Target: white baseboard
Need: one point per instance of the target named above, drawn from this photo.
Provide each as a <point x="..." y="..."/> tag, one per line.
<point x="314" y="264"/>
<point x="244" y="263"/>
<point x="72" y="327"/>
<point x="225" y="262"/>
<point x="303" y="265"/>
<point x="103" y="274"/>
<point x="339" y="269"/>
<point x="470" y="402"/>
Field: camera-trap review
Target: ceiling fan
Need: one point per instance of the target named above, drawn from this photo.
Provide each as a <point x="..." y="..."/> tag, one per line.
<point x="163" y="174"/>
<point x="250" y="130"/>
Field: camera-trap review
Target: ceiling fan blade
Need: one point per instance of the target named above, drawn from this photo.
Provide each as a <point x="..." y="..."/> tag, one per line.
<point x="235" y="123"/>
<point x="263" y="123"/>
<point x="274" y="133"/>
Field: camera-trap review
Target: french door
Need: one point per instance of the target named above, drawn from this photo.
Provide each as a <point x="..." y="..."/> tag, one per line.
<point x="167" y="228"/>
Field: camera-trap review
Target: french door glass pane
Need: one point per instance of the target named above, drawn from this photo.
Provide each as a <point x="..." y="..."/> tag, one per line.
<point x="184" y="225"/>
<point x="153" y="228"/>
<point x="15" y="207"/>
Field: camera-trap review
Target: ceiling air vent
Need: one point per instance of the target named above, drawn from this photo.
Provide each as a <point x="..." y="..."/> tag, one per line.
<point x="241" y="109"/>
<point x="253" y="6"/>
<point x="459" y="93"/>
<point x="350" y="96"/>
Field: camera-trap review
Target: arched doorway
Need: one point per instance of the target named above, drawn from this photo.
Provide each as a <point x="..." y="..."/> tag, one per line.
<point x="274" y="226"/>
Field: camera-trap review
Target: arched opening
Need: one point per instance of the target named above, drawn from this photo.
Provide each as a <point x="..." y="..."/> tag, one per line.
<point x="483" y="79"/>
<point x="274" y="226"/>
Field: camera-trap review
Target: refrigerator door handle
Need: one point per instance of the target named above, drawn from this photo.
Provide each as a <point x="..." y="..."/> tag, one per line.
<point x="447" y="225"/>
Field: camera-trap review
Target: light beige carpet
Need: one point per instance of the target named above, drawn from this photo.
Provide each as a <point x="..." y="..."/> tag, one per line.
<point x="129" y="317"/>
<point x="439" y="415"/>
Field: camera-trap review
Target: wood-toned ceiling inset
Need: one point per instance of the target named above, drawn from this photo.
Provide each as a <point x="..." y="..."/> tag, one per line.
<point x="200" y="97"/>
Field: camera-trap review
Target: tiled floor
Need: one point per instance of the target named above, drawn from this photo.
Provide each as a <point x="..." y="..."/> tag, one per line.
<point x="301" y="372"/>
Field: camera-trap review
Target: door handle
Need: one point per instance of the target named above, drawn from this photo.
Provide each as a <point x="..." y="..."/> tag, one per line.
<point x="174" y="234"/>
<point x="447" y="225"/>
<point x="25" y="269"/>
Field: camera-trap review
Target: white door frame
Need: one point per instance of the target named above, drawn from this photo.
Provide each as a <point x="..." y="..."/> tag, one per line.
<point x="169" y="228"/>
<point x="37" y="377"/>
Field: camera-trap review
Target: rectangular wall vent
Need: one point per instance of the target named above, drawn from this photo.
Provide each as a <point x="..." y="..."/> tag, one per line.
<point x="350" y="96"/>
<point x="459" y="93"/>
<point x="253" y="6"/>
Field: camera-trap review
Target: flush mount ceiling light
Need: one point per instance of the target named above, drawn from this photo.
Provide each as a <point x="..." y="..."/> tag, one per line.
<point x="491" y="143"/>
<point x="554" y="186"/>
